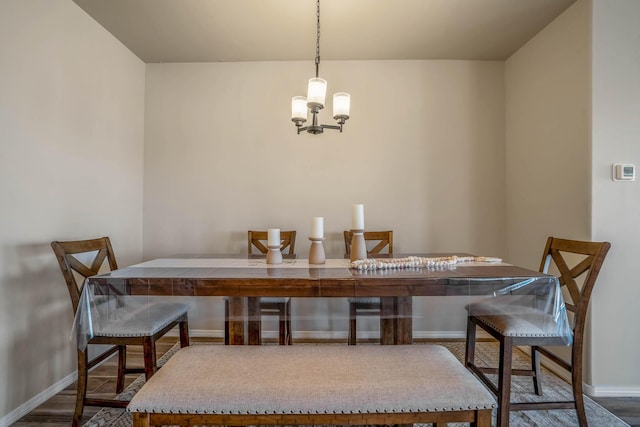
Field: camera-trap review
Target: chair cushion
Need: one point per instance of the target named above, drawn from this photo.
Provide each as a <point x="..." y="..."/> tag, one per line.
<point x="519" y="322"/>
<point x="144" y="320"/>
<point x="365" y="300"/>
<point x="274" y="300"/>
<point x="270" y="300"/>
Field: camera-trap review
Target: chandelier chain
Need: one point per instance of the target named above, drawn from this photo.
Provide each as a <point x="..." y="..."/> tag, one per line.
<point x="317" y="37"/>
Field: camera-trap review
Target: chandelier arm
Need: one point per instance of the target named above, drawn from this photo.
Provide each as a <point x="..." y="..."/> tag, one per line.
<point x="337" y="127"/>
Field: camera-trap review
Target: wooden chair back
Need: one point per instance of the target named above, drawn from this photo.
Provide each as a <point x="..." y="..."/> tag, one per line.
<point x="592" y="254"/>
<point x="66" y="253"/>
<point x="258" y="240"/>
<point x="384" y="240"/>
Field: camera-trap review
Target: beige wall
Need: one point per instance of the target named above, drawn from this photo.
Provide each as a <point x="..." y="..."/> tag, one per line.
<point x="423" y="151"/>
<point x="548" y="137"/>
<point x="547" y="152"/>
<point x="615" y="345"/>
<point x="71" y="141"/>
<point x="218" y="137"/>
<point x="565" y="126"/>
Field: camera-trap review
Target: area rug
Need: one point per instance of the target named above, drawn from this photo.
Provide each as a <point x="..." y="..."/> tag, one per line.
<point x="554" y="388"/>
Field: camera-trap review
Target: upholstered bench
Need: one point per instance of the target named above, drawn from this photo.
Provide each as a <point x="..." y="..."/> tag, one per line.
<point x="312" y="384"/>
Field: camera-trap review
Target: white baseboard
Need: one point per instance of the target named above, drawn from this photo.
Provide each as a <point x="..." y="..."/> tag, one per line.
<point x="611" y="391"/>
<point x="43" y="396"/>
<point x="37" y="400"/>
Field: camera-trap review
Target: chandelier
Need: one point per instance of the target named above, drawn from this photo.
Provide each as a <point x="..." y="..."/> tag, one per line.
<point x="314" y="102"/>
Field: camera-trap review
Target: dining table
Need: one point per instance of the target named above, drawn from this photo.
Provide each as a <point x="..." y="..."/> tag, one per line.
<point x="501" y="288"/>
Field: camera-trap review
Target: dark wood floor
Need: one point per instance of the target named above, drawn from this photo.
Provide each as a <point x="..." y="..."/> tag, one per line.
<point x="57" y="411"/>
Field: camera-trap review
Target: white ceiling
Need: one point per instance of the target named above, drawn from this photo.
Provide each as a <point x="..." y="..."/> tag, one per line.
<point x="266" y="30"/>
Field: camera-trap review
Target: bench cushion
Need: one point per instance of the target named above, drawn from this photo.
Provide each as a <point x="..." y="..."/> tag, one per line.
<point x="311" y="379"/>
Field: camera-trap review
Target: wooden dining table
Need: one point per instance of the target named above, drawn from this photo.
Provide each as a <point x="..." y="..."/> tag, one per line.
<point x="244" y="280"/>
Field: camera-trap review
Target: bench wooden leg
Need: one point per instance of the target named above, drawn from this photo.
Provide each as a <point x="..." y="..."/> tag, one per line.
<point x="140" y="419"/>
<point x="483" y="419"/>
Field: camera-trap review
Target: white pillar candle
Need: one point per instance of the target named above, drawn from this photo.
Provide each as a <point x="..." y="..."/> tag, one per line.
<point x="317" y="227"/>
<point x="273" y="237"/>
<point x="357" y="217"/>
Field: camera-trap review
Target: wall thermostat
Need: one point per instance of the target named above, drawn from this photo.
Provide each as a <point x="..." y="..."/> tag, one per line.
<point x="624" y="172"/>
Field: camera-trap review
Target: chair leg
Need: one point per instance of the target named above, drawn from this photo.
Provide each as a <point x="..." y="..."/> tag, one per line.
<point x="81" y="389"/>
<point x="353" y="326"/>
<point x="184" y="332"/>
<point x="288" y="322"/>
<point x="504" y="382"/>
<point x="149" y="352"/>
<point x="535" y="367"/>
<point x="122" y="366"/>
<point x="282" y="324"/>
<point x="578" y="393"/>
<point x="226" y="322"/>
<point x="579" y="398"/>
<point x="470" y="347"/>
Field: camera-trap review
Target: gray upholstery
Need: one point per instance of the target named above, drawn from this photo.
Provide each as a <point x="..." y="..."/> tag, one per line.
<point x="214" y="379"/>
<point x="274" y="300"/>
<point x="365" y="300"/>
<point x="270" y="300"/>
<point x="517" y="322"/>
<point x="145" y="320"/>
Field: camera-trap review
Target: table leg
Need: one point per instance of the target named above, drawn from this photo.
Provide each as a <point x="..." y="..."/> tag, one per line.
<point x="236" y="320"/>
<point x="255" y="323"/>
<point x="396" y="326"/>
<point x="404" y="320"/>
<point x="387" y="321"/>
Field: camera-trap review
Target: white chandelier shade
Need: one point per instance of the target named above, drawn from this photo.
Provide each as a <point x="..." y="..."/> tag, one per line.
<point x="316" y="96"/>
<point x="341" y="105"/>
<point x="299" y="108"/>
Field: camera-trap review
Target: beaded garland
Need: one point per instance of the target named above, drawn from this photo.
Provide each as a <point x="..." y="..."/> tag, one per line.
<point x="416" y="261"/>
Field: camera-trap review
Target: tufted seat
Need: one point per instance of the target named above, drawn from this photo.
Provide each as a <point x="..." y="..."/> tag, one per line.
<point x="348" y="384"/>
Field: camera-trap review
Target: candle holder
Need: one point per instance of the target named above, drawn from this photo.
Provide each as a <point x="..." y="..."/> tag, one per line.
<point x="358" y="245"/>
<point x="274" y="256"/>
<point x="316" y="251"/>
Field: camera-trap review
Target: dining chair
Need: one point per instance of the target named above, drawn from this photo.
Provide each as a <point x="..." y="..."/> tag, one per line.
<point x="145" y="330"/>
<point x="510" y="330"/>
<point x="270" y="306"/>
<point x="369" y="306"/>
